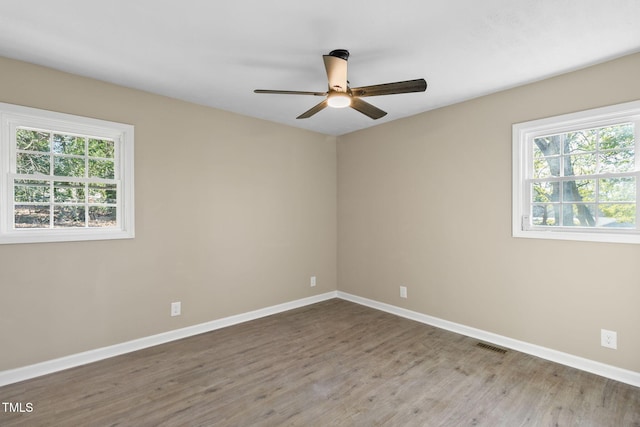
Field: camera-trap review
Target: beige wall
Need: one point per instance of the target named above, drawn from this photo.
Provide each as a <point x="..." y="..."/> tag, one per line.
<point x="426" y="202"/>
<point x="232" y="214"/>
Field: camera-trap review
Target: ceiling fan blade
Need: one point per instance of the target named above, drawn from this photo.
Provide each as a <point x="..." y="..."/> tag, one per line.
<point x="319" y="107"/>
<point x="290" y="92"/>
<point x="336" y="72"/>
<point x="367" y="109"/>
<point x="418" y="85"/>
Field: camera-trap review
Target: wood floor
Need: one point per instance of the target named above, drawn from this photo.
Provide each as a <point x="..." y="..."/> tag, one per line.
<point x="333" y="363"/>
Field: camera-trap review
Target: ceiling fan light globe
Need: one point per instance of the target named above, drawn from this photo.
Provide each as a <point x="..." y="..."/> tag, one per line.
<point x="339" y="100"/>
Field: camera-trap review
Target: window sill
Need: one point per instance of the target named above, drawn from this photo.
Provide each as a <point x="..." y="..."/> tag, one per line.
<point x="57" y="235"/>
<point x="578" y="235"/>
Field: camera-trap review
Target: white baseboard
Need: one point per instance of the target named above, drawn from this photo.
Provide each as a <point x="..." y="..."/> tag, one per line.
<point x="604" y="370"/>
<point x="55" y="365"/>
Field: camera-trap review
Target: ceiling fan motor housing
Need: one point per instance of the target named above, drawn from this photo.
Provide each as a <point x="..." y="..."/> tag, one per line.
<point x="340" y="53"/>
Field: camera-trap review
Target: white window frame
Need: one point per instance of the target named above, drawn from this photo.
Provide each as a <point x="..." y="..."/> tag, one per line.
<point x="523" y="136"/>
<point x="14" y="116"/>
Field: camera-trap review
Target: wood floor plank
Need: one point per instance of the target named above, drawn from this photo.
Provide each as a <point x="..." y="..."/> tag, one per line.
<point x="334" y="363"/>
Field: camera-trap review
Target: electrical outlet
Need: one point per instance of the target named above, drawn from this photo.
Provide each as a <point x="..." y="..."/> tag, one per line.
<point x="403" y="291"/>
<point x="312" y="282"/>
<point x="176" y="308"/>
<point x="609" y="339"/>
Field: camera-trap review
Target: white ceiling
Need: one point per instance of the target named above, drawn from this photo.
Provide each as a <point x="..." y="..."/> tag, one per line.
<point x="215" y="53"/>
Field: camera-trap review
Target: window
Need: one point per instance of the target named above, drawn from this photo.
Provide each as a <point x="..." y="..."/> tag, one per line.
<point x="575" y="176"/>
<point x="64" y="177"/>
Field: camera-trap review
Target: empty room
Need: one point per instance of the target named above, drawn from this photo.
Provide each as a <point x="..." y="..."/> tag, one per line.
<point x="410" y="213"/>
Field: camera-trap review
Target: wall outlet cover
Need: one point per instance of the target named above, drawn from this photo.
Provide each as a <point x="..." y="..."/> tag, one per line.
<point x="403" y="291"/>
<point x="176" y="308"/>
<point x="609" y="339"/>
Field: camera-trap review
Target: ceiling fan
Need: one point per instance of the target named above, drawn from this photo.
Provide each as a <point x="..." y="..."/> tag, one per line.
<point x="340" y="95"/>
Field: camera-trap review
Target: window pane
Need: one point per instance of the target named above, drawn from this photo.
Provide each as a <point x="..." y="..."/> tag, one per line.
<point x="101" y="169"/>
<point x="102" y="148"/>
<point x="545" y="192"/>
<point x="68" y="216"/>
<point x="32" y="163"/>
<point x="29" y="216"/>
<point x="578" y="214"/>
<point x="581" y="141"/>
<point x="547" y="145"/>
<point x="617" y="161"/>
<point x="621" y="215"/>
<point x="68" y="144"/>
<point x="32" y="140"/>
<point x="102" y="193"/>
<point x="68" y="166"/>
<point x="619" y="136"/>
<point x="542" y="166"/>
<point x="100" y="216"/>
<point x="546" y="157"/>
<point x="27" y="190"/>
<point x="618" y="189"/>
<point x="583" y="164"/>
<point x="544" y="214"/>
<point x="583" y="190"/>
<point x="68" y="192"/>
